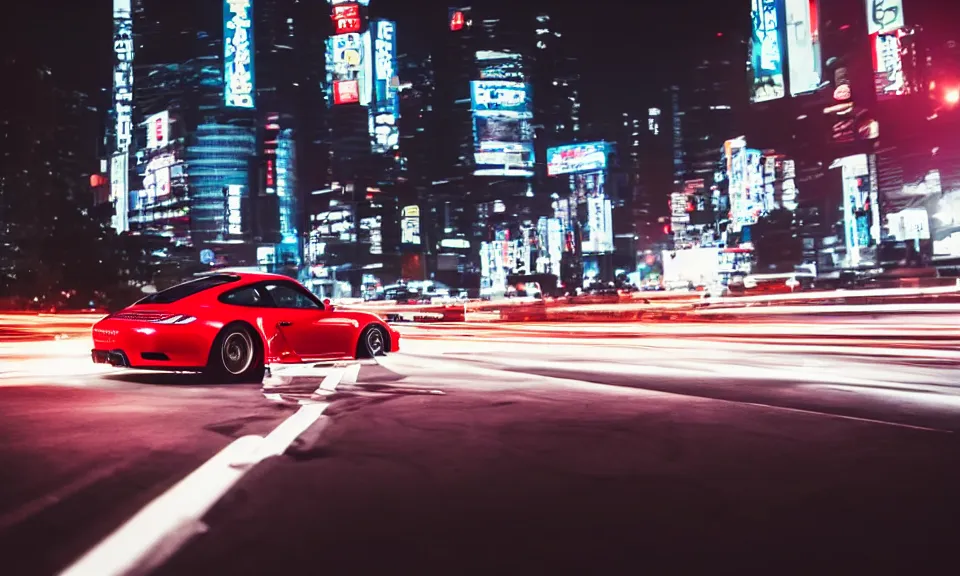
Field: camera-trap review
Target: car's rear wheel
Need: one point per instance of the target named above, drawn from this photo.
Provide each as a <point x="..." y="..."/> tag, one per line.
<point x="373" y="342"/>
<point x="236" y="356"/>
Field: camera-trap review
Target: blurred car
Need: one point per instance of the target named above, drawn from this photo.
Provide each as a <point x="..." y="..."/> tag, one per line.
<point x="231" y="326"/>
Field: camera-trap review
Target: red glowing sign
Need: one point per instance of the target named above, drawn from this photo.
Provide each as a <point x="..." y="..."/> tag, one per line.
<point x="456" y="21"/>
<point x="346" y="92"/>
<point x="159" y="129"/>
<point x="346" y="18"/>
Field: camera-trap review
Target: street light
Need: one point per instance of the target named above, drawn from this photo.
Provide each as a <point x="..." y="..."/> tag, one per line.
<point x="952" y="96"/>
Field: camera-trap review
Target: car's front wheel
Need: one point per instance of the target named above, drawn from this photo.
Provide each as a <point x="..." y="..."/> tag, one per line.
<point x="373" y="342"/>
<point x="236" y="356"/>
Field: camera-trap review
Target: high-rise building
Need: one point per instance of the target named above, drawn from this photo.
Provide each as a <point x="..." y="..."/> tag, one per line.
<point x="48" y="146"/>
<point x="354" y="235"/>
<point x="225" y="108"/>
<point x="506" y="91"/>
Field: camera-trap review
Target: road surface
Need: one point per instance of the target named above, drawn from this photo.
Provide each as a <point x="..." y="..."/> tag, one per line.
<point x="826" y="447"/>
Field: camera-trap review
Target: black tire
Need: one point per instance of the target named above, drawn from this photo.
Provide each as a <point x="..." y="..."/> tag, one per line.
<point x="373" y="342"/>
<point x="236" y="356"/>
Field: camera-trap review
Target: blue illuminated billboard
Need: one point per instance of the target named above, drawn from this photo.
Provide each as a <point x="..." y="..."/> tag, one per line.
<point x="573" y="158"/>
<point x="503" y="128"/>
<point x="500" y="97"/>
<point x="384" y="126"/>
<point x="766" y="52"/>
<point x="238" y="51"/>
<point x="385" y="66"/>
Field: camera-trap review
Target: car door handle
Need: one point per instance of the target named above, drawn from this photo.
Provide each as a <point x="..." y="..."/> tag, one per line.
<point x="284" y="324"/>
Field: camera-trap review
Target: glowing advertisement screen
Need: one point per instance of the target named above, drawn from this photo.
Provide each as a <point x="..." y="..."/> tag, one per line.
<point x="598" y="229"/>
<point x="884" y="16"/>
<point x="346" y="18"/>
<point x="158" y="130"/>
<point x="588" y="157"/>
<point x="234" y="215"/>
<point x="119" y="191"/>
<point x="347" y="68"/>
<point x="123" y="74"/>
<point x="503" y="132"/>
<point x="766" y="53"/>
<point x="746" y="188"/>
<point x="803" y="45"/>
<point x="888" y="76"/>
<point x="384" y="125"/>
<point x="410" y="225"/>
<point x="238" y="51"/>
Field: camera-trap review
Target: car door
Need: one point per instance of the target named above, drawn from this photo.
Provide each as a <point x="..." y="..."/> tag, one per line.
<point x="309" y="328"/>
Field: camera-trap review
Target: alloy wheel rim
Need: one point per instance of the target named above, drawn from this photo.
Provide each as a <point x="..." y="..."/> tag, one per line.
<point x="237" y="353"/>
<point x="375" y="342"/>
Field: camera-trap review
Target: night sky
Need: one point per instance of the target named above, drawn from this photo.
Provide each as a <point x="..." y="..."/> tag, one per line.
<point x="625" y="44"/>
<point x="627" y="48"/>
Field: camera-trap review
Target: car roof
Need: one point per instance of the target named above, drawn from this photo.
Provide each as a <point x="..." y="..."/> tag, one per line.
<point x="247" y="277"/>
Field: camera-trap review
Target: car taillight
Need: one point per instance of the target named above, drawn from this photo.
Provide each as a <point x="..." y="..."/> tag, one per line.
<point x="179" y="319"/>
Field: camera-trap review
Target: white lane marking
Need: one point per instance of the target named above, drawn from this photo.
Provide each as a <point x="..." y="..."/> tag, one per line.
<point x="165" y="524"/>
<point x="126" y="550"/>
<point x="351" y="373"/>
<point x="330" y="382"/>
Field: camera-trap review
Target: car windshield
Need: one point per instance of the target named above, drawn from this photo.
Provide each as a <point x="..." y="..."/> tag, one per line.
<point x="181" y="291"/>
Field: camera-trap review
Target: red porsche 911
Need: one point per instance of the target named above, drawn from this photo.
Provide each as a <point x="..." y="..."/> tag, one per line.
<point x="231" y="326"/>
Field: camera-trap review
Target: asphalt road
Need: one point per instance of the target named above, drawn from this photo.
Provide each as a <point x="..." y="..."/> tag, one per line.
<point x="513" y="449"/>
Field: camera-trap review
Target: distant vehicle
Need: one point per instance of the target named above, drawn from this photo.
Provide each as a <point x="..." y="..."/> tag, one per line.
<point x="231" y="326"/>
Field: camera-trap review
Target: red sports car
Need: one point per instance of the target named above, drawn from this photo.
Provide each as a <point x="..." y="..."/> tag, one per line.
<point x="231" y="326"/>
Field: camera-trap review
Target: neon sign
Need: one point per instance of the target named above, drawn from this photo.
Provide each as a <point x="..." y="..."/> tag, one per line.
<point x="238" y="65"/>
<point x="346" y="18"/>
<point x="456" y="20"/>
<point x="346" y="92"/>
<point x="123" y="73"/>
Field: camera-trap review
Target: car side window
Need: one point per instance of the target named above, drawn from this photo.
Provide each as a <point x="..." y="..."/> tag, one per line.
<point x="248" y="296"/>
<point x="286" y="296"/>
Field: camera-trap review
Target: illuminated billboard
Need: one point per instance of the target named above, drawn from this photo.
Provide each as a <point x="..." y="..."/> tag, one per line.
<point x="123" y="74"/>
<point x="803" y="45"/>
<point x="884" y="16"/>
<point x="888" y="75"/>
<point x="346" y="92"/>
<point x="586" y="157"/>
<point x="383" y="121"/>
<point x="158" y="130"/>
<point x="598" y="229"/>
<point x="503" y="131"/>
<point x="119" y="191"/>
<point x="234" y="214"/>
<point x="238" y="54"/>
<point x="410" y="225"/>
<point x="346" y="18"/>
<point x="746" y="188"/>
<point x="512" y="98"/>
<point x="861" y="213"/>
<point x="457" y="20"/>
<point x="347" y="68"/>
<point x="766" y="52"/>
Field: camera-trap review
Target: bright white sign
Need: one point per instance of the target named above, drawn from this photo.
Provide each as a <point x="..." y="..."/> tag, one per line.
<point x="123" y="73"/>
<point x="234" y="215"/>
<point x="238" y="53"/>
<point x="119" y="192"/>
<point x="884" y="16"/>
<point x="158" y="130"/>
<point x="803" y="56"/>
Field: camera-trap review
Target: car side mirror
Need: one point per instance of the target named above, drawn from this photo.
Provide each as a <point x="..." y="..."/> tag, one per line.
<point x="327" y="304"/>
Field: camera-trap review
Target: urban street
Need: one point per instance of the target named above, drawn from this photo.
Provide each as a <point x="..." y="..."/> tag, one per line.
<point x="551" y="448"/>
